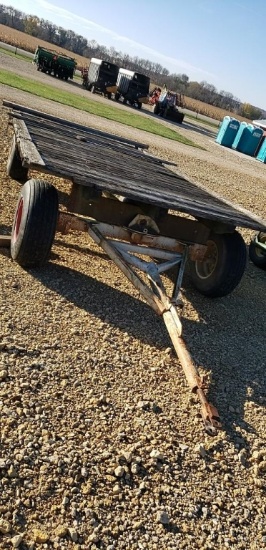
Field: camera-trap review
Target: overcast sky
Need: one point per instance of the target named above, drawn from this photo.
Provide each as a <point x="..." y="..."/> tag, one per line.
<point x="220" y="41"/>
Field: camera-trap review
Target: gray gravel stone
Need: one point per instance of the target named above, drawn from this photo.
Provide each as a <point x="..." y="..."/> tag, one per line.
<point x="92" y="383"/>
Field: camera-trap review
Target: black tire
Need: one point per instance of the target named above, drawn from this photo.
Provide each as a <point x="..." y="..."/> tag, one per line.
<point x="14" y="168"/>
<point x="139" y="105"/>
<point x="256" y="254"/>
<point x="222" y="270"/>
<point x="34" y="224"/>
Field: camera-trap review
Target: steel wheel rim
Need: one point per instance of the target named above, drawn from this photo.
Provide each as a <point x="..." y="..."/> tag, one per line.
<point x="207" y="267"/>
<point x="259" y="252"/>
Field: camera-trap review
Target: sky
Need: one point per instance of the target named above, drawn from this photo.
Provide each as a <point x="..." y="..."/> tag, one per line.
<point x="218" y="41"/>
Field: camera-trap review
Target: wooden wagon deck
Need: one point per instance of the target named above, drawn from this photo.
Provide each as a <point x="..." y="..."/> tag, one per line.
<point x="106" y="162"/>
<point x="97" y="162"/>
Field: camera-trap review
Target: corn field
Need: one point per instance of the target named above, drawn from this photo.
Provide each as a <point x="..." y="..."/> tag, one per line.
<point x="209" y="110"/>
<point x="29" y="43"/>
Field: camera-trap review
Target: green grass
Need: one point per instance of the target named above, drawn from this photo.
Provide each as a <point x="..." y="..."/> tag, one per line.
<point x="17" y="55"/>
<point x="202" y="121"/>
<point x="88" y="105"/>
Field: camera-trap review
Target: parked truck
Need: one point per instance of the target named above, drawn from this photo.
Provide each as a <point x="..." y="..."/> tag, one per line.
<point x="54" y="63"/>
<point x="101" y="77"/>
<point x="133" y="88"/>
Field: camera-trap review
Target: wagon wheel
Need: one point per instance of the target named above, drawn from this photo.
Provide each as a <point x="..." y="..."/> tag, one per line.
<point x="14" y="168"/>
<point x="34" y="224"/>
<point x="222" y="267"/>
<point x="257" y="254"/>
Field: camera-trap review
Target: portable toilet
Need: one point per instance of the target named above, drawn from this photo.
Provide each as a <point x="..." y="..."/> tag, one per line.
<point x="227" y="131"/>
<point x="252" y="142"/>
<point x="240" y="136"/>
<point x="262" y="151"/>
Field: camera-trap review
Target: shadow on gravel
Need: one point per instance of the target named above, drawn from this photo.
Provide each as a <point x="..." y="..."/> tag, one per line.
<point x="104" y="302"/>
<point x="5" y="229"/>
<point x="227" y="341"/>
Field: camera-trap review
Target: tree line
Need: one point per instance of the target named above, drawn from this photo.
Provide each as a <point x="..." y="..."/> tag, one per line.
<point x="60" y="37"/>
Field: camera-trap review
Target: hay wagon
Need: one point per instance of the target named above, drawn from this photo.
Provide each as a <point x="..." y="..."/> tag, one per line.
<point x="146" y="218"/>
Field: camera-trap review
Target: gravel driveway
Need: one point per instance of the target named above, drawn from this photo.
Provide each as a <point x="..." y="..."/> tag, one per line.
<point x="102" y="444"/>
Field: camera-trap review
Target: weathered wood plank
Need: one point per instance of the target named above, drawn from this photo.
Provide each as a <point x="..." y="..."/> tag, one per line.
<point x="63" y="122"/>
<point x="105" y="164"/>
<point x="28" y="152"/>
<point x="90" y="138"/>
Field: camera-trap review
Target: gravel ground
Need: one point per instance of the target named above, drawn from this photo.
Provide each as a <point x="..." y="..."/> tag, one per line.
<point x="102" y="445"/>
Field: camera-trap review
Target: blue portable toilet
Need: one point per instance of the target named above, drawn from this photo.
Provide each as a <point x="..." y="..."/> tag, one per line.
<point x="227" y="131"/>
<point x="240" y="136"/>
<point x="262" y="152"/>
<point x="252" y="142"/>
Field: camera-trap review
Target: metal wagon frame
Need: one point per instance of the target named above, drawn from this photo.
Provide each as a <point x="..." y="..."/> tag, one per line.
<point x="122" y="196"/>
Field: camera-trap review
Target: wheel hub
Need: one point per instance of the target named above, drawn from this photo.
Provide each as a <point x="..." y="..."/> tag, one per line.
<point x="205" y="268"/>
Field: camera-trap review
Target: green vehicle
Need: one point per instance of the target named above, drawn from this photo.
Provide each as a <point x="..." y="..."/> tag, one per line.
<point x="54" y="63"/>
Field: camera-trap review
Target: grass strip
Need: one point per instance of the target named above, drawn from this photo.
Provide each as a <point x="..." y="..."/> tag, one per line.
<point x="93" y="107"/>
<point x="17" y="55"/>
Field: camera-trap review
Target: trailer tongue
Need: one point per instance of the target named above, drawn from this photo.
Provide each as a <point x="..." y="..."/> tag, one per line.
<point x="121" y="196"/>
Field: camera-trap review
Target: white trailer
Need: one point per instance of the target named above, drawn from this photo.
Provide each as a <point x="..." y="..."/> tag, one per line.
<point x="132" y="87"/>
<point x="101" y="77"/>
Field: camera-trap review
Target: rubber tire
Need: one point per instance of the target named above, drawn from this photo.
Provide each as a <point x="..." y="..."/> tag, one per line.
<point x="14" y="168"/>
<point x="256" y="255"/>
<point x="34" y="224"/>
<point x="230" y="265"/>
